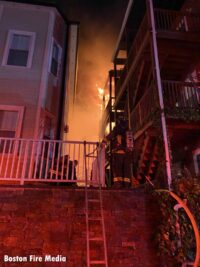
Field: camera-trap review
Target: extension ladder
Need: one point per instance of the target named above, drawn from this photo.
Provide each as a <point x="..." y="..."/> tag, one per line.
<point x="93" y="199"/>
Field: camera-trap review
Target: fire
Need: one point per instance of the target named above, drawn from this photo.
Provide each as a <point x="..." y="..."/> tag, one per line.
<point x="100" y="92"/>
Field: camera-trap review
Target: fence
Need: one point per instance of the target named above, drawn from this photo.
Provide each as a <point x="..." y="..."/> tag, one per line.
<point x="29" y="160"/>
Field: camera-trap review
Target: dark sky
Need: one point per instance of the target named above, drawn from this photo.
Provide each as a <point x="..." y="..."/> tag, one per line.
<point x="100" y="23"/>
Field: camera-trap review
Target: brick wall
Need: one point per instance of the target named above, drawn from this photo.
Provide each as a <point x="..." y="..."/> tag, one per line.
<point x="51" y="221"/>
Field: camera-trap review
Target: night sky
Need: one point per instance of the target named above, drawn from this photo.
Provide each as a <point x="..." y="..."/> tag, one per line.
<point x="100" y="23"/>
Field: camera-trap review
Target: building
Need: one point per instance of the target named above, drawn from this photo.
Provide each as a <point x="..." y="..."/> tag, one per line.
<point x="38" y="55"/>
<point x="155" y="84"/>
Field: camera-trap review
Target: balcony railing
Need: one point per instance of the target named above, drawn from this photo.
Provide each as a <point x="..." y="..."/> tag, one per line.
<point x="143" y="110"/>
<point x="177" y="95"/>
<point x="170" y="20"/>
<point x="27" y="160"/>
<point x="166" y="20"/>
<point x="181" y="94"/>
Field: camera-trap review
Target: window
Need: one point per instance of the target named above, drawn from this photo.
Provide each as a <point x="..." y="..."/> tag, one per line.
<point x="19" y="49"/>
<point x="8" y="123"/>
<point x="11" y="120"/>
<point x="48" y="128"/>
<point x="55" y="59"/>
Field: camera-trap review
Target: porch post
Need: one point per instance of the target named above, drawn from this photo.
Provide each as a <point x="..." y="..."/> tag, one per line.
<point x="159" y="86"/>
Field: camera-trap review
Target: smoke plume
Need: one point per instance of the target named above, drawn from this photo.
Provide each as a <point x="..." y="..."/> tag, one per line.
<point x="100" y="23"/>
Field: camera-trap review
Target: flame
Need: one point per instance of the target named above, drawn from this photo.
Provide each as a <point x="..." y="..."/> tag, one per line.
<point x="100" y="92"/>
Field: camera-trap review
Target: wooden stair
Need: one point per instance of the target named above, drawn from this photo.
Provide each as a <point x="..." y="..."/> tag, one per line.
<point x="148" y="162"/>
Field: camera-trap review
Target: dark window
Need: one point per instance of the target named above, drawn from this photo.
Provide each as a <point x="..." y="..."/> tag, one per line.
<point x="19" y="50"/>
<point x="55" y="60"/>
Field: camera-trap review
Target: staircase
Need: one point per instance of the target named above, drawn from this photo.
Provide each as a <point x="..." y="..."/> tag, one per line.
<point x="148" y="161"/>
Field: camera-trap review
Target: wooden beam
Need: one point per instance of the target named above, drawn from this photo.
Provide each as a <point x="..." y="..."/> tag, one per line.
<point x="120" y="61"/>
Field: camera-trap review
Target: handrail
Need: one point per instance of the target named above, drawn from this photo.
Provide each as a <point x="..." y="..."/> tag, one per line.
<point x="47" y="140"/>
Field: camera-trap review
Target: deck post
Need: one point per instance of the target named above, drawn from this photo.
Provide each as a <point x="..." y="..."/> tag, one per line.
<point x="159" y="87"/>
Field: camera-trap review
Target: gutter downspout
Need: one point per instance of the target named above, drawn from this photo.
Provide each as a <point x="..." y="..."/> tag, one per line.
<point x="160" y="93"/>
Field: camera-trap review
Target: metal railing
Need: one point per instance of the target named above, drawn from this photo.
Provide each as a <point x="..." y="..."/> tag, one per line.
<point x="171" y="20"/>
<point x="29" y="160"/>
<point x="181" y="94"/>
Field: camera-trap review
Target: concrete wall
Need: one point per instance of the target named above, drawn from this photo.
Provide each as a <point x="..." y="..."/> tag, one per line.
<point x="51" y="221"/>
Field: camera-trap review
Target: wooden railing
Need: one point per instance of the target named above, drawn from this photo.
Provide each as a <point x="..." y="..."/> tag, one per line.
<point x="166" y="20"/>
<point x="171" y="20"/>
<point x="30" y="160"/>
<point x="176" y="95"/>
<point x="144" y="109"/>
<point x="181" y="94"/>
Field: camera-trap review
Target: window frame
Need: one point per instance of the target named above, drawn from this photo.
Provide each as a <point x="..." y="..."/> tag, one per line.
<point x="10" y="35"/>
<point x="59" y="57"/>
<point x="20" y="110"/>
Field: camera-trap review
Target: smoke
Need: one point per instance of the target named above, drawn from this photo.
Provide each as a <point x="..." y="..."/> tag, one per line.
<point x="99" y="28"/>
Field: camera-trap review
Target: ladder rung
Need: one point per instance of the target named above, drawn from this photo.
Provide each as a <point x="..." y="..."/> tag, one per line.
<point x="95" y="219"/>
<point x="96" y="238"/>
<point x="97" y="262"/>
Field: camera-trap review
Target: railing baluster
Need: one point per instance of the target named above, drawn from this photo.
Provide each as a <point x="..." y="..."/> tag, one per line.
<point x="58" y="160"/>
<point x="42" y="159"/>
<point x="3" y="142"/>
<point x="73" y="166"/>
<point x="8" y="158"/>
<point x="19" y="160"/>
<point x="37" y="159"/>
<point x="15" y="148"/>
<point x="47" y="158"/>
<point x="69" y="156"/>
<point x="78" y="171"/>
<point x="23" y="176"/>
<point x="63" y="161"/>
<point x="31" y="166"/>
<point x="53" y="160"/>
